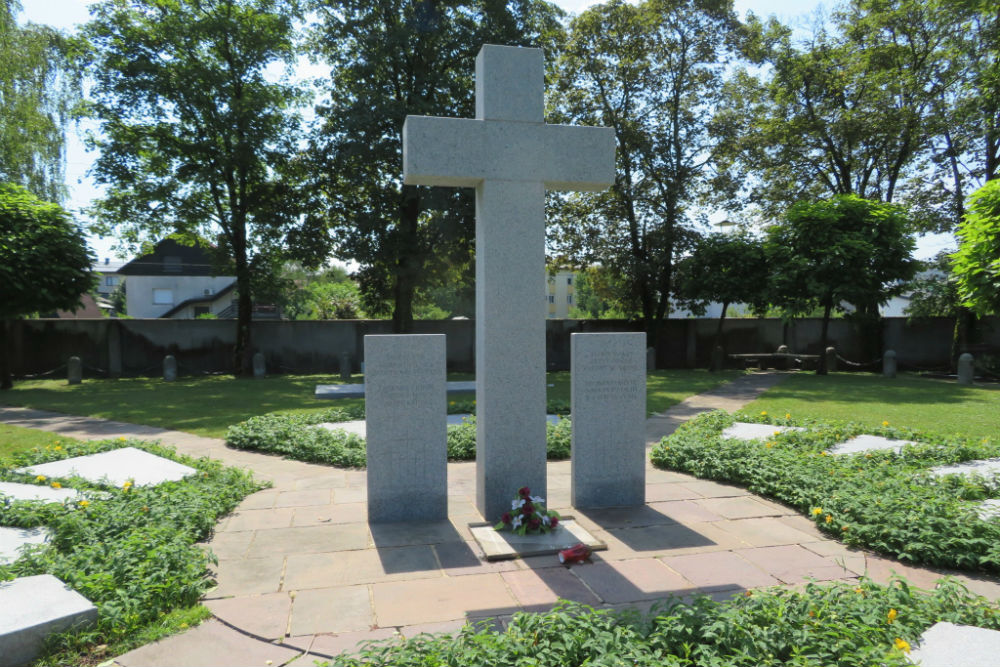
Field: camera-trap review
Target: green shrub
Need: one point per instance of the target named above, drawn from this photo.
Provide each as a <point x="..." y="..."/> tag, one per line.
<point x="296" y="437"/>
<point x="878" y="500"/>
<point x="842" y="624"/>
<point x="130" y="551"/>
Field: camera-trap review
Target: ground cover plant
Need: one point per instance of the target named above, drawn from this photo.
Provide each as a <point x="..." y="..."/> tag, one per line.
<point x="296" y="436"/>
<point x="925" y="404"/>
<point x="878" y="500"/>
<point x="841" y="624"/>
<point x="208" y="405"/>
<point x="131" y="551"/>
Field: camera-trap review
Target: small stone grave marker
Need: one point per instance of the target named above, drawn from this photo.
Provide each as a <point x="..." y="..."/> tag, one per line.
<point x="966" y="369"/>
<point x="869" y="443"/>
<point x="259" y="365"/>
<point x="31" y="609"/>
<point x="506" y="545"/>
<point x="357" y="426"/>
<point x="169" y="368"/>
<point x="984" y="467"/>
<point x="949" y="645"/>
<point x="12" y="539"/>
<point x="988" y="509"/>
<point x="750" y="431"/>
<point x="74" y="371"/>
<point x="115" y="467"/>
<point x="358" y="390"/>
<point x="47" y="494"/>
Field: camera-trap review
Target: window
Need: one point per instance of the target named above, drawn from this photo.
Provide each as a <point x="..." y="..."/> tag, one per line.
<point x="172" y="264"/>
<point x="111" y="281"/>
<point x="569" y="299"/>
<point x="552" y="298"/>
<point x="163" y="297"/>
<point x="569" y="280"/>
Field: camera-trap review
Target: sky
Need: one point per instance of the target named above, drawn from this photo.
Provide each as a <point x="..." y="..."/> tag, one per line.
<point x="68" y="14"/>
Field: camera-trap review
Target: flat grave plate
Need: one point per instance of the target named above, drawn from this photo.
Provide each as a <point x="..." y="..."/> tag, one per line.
<point x="949" y="645"/>
<point x="12" y="539"/>
<point x="357" y="426"/>
<point x="116" y="467"/>
<point x="869" y="443"/>
<point x="358" y="390"/>
<point x="984" y="467"/>
<point x="505" y="545"/>
<point x="32" y="608"/>
<point x="36" y="492"/>
<point x="988" y="509"/>
<point x="748" y="431"/>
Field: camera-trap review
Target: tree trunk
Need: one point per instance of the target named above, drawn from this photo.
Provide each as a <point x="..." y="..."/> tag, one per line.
<point x="242" y="352"/>
<point x="717" y="339"/>
<point x="404" y="278"/>
<point x="823" y="341"/>
<point x="6" y="380"/>
<point x="965" y="324"/>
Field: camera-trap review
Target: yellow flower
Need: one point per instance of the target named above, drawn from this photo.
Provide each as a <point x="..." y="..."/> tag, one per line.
<point x="788" y="415"/>
<point x="763" y="413"/>
<point x="123" y="438"/>
<point x="56" y="485"/>
<point x="39" y="478"/>
<point x="892" y="615"/>
<point x="885" y="423"/>
<point x="769" y="445"/>
<point x="829" y="519"/>
<point x="824" y="453"/>
<point x="868" y="456"/>
<point x="843" y="529"/>
<point x="451" y="402"/>
<point x="902" y="645"/>
<point x="57" y="447"/>
<point x="126" y="486"/>
<point x="777" y="432"/>
<point x="812" y="613"/>
<point x="859" y="590"/>
<point x="84" y="503"/>
<point x="817" y="511"/>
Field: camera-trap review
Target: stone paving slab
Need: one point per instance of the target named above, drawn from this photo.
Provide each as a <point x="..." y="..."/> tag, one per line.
<point x="869" y="443"/>
<point x="47" y="494"/>
<point x="211" y="644"/>
<point x="32" y="608"/>
<point x="950" y="645"/>
<point x="115" y="467"/>
<point x="750" y="431"/>
<point x="12" y="539"/>
<point x="984" y="467"/>
<point x="988" y="509"/>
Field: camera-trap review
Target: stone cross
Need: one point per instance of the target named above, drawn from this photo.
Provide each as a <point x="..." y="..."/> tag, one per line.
<point x="510" y="156"/>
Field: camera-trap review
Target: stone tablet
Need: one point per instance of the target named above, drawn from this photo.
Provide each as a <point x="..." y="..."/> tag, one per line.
<point x="506" y="545"/>
<point x="406" y="429"/>
<point x="750" y="431"/>
<point x="169" y="368"/>
<point x="988" y="509"/>
<point x="12" y="539"/>
<point x="31" y="609"/>
<point x="869" y="443"/>
<point x="115" y="467"/>
<point x="889" y="364"/>
<point x="966" y="368"/>
<point x="74" y="371"/>
<point x="259" y="365"/>
<point x="948" y="645"/>
<point x="984" y="467"/>
<point x="44" y="494"/>
<point x="358" y="390"/>
<point x="608" y="404"/>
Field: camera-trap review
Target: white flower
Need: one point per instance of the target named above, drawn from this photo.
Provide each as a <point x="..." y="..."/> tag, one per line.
<point x="545" y="520"/>
<point x="517" y="504"/>
<point x="516" y="522"/>
<point x="536" y="499"/>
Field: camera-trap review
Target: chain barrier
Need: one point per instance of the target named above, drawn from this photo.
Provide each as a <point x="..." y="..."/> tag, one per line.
<point x="858" y="364"/>
<point x="32" y="376"/>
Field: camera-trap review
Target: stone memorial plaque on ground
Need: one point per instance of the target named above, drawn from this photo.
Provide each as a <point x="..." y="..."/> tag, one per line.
<point x="358" y="390"/>
<point x="115" y="467"/>
<point x="12" y="539"/>
<point x="748" y="431"/>
<point x="869" y="443"/>
<point x="357" y="426"/>
<point x="505" y="545"/>
<point x="46" y="494"/>
<point x="949" y="645"/>
<point x="988" y="509"/>
<point x="31" y="609"/>
<point x="983" y="467"/>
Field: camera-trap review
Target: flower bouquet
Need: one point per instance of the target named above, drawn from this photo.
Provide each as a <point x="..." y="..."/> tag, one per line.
<point x="528" y="516"/>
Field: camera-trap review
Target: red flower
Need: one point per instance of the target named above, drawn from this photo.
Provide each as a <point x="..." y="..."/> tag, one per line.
<point x="527" y="509"/>
<point x="506" y="518"/>
<point x="534" y="523"/>
<point x="554" y="522"/>
<point x="524" y="492"/>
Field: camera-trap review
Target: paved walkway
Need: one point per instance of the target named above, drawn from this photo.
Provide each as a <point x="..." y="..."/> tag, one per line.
<point x="301" y="574"/>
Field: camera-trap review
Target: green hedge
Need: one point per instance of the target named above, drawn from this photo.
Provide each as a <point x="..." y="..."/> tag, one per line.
<point x="132" y="551"/>
<point x="840" y="624"/>
<point x="877" y="500"/>
<point x="295" y="436"/>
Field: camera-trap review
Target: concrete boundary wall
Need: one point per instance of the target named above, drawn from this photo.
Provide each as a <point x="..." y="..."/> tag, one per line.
<point x="136" y="347"/>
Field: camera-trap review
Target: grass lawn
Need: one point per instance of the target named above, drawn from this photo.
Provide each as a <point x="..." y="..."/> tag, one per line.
<point x="936" y="406"/>
<point x="208" y="405"/>
<point x="16" y="439"/>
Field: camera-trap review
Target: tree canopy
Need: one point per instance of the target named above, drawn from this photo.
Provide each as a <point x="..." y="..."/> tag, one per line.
<point x="977" y="262"/>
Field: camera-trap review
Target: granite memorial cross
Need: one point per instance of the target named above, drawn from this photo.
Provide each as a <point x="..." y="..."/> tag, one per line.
<point x="510" y="156"/>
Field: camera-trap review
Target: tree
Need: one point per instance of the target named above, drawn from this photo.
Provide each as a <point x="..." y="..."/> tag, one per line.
<point x="653" y="72"/>
<point x="728" y="268"/>
<point x="835" y="252"/>
<point x="977" y="262"/>
<point x="195" y="138"/>
<point x="934" y="291"/>
<point x="390" y="59"/>
<point x="598" y="295"/>
<point x="44" y="263"/>
<point x="39" y="87"/>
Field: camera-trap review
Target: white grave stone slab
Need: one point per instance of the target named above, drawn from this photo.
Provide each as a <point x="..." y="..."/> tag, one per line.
<point x="608" y="376"/>
<point x="47" y="494"/>
<point x="358" y="390"/>
<point x="983" y="467"/>
<point x="749" y="431"/>
<point x="510" y="156"/>
<point x="357" y="426"/>
<point x="949" y="645"/>
<point x="12" y="539"/>
<point x="115" y="467"/>
<point x="406" y="430"/>
<point x="506" y="545"/>
<point x="31" y="609"/>
<point x="988" y="509"/>
<point x="869" y="443"/>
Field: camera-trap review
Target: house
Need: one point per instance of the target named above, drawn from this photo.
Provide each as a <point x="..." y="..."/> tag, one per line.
<point x="559" y="293"/>
<point x="176" y="281"/>
<point x="108" y="277"/>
